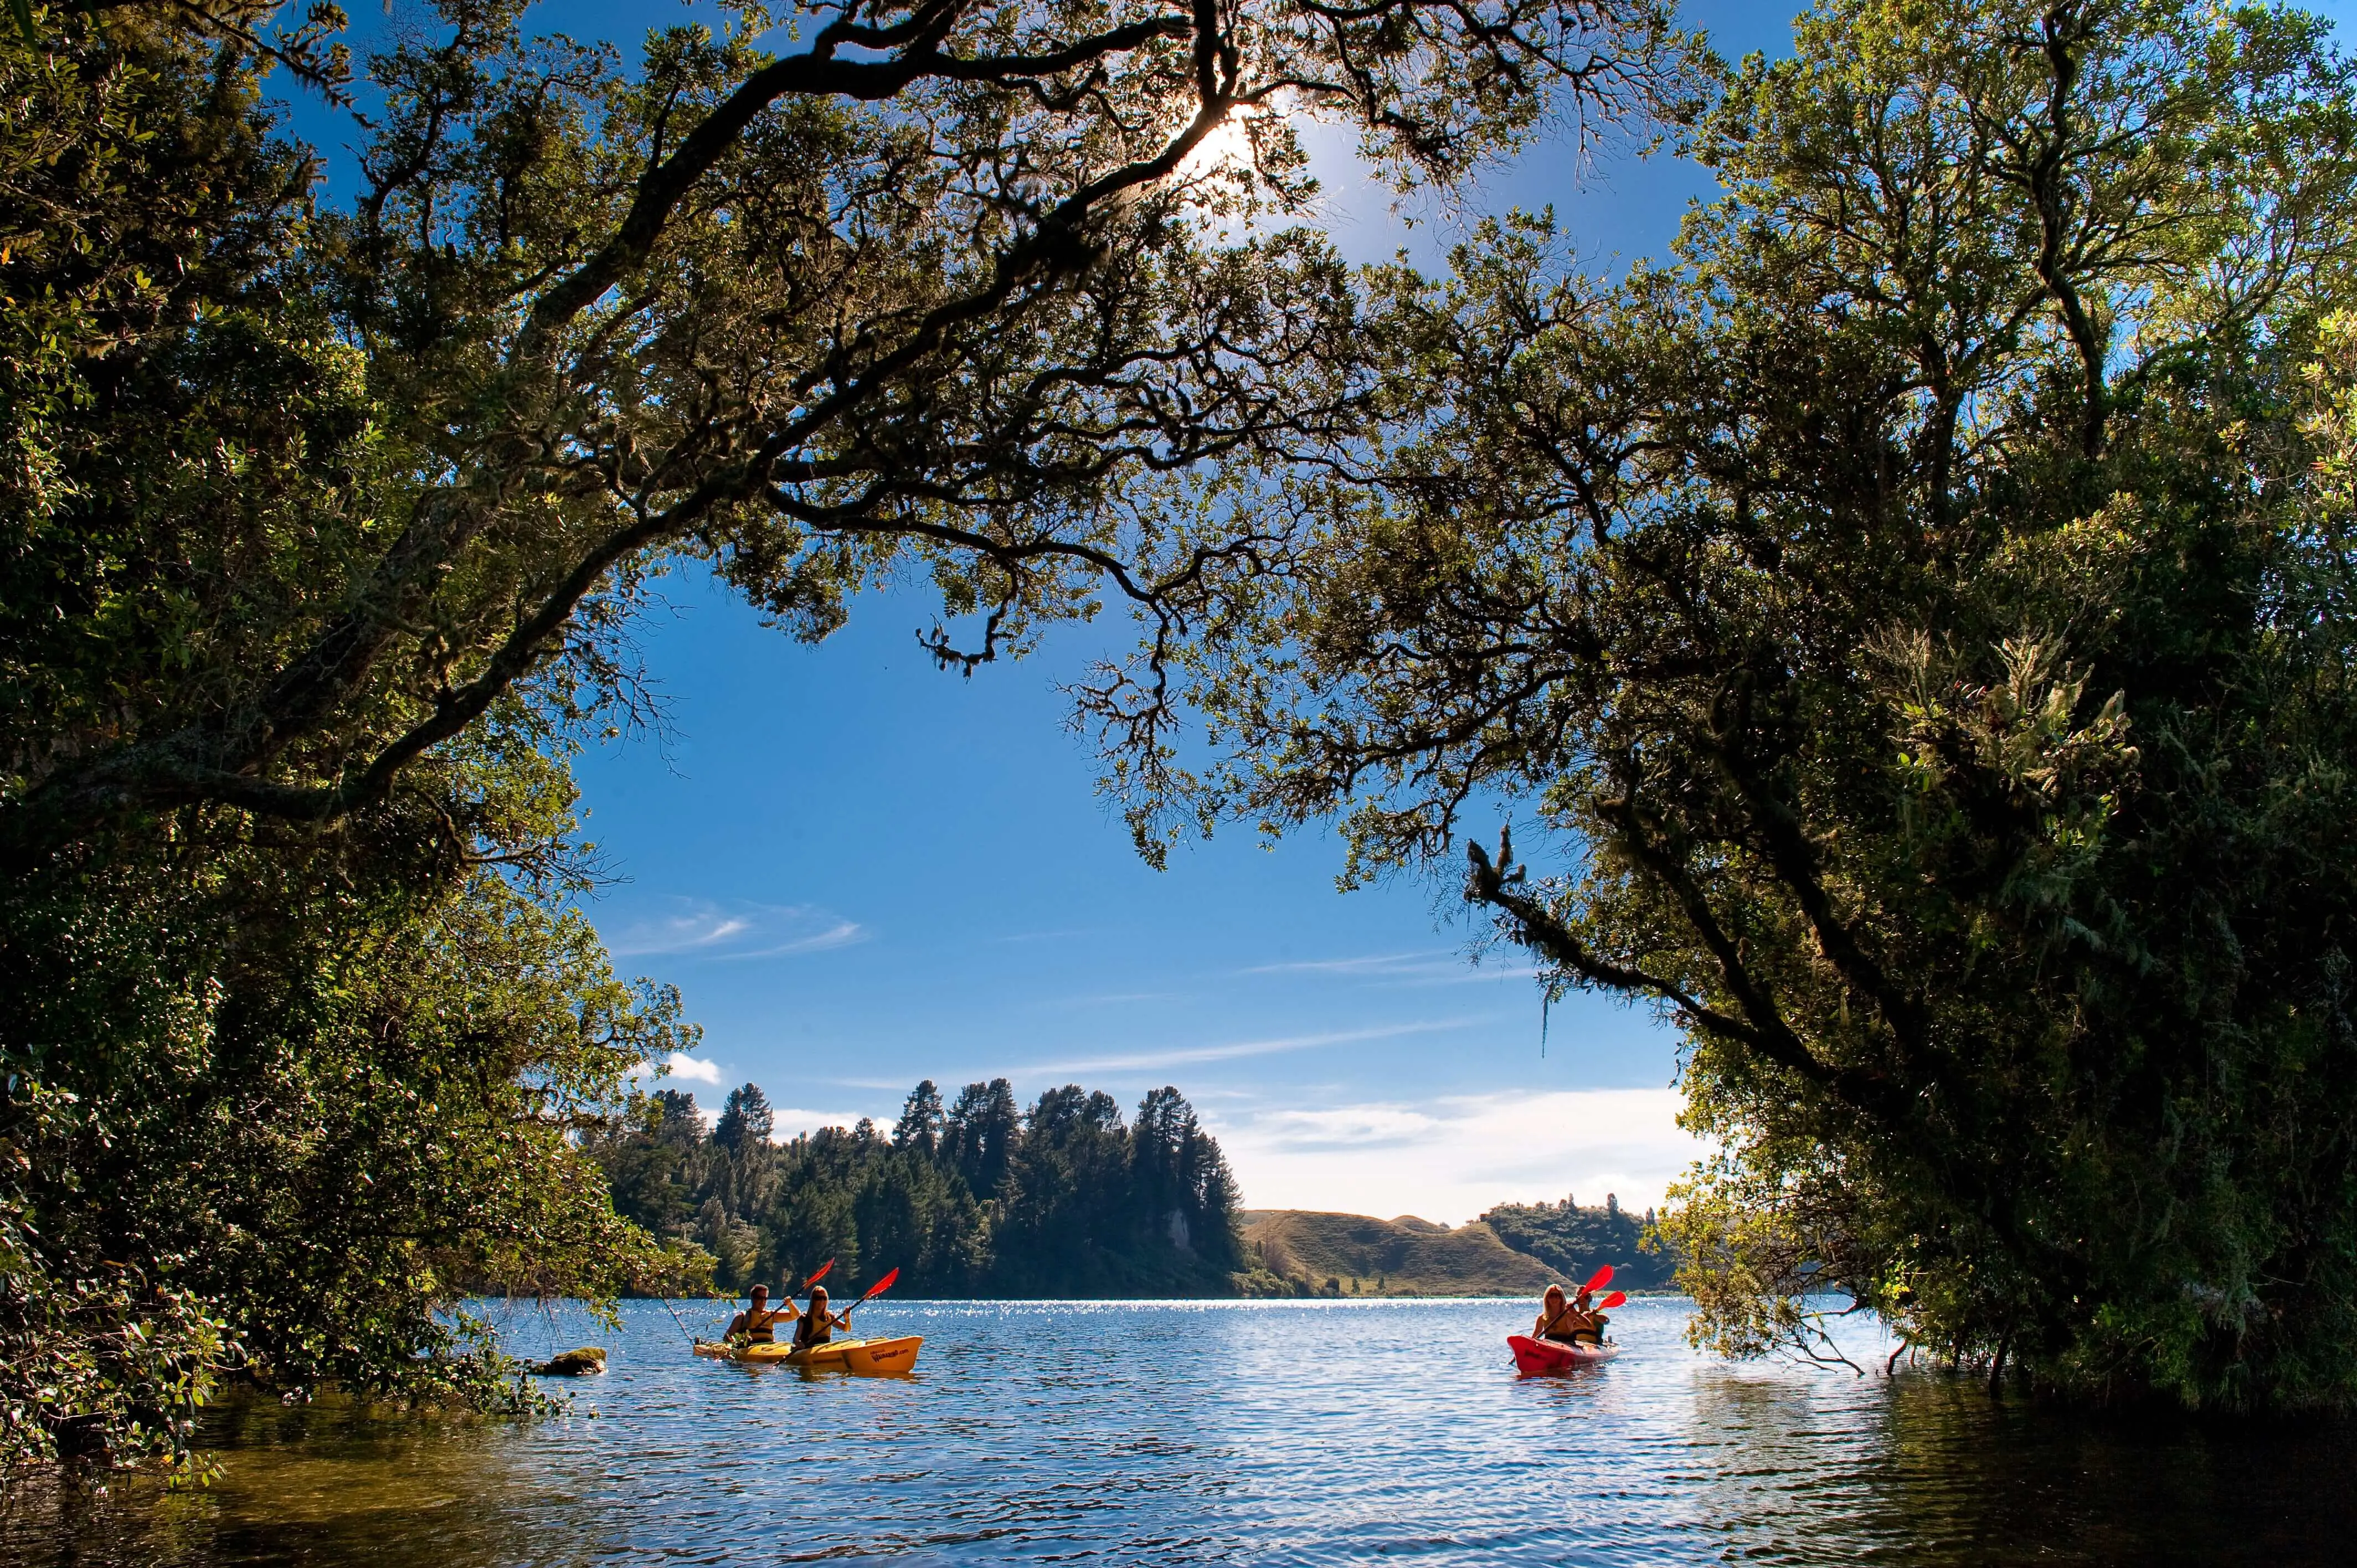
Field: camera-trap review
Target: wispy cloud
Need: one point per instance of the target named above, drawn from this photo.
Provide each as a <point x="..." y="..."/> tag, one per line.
<point x="842" y="934"/>
<point x="704" y="928"/>
<point x="1112" y="998"/>
<point x="1466" y="973"/>
<point x="1370" y="963"/>
<point x="1451" y="1158"/>
<point x="1428" y="966"/>
<point x="1233" y="1050"/>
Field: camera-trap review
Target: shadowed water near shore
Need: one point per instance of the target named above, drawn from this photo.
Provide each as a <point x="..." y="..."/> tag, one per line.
<point x="1280" y="1432"/>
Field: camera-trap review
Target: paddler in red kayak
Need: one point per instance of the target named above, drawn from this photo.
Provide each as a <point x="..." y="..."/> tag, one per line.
<point x="1568" y="1322"/>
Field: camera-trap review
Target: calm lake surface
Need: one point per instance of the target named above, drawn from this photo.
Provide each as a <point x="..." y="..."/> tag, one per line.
<point x="1255" y="1432"/>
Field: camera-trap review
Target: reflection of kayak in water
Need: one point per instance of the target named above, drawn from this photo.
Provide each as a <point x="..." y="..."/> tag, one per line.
<point x="1534" y="1356"/>
<point x="869" y="1357"/>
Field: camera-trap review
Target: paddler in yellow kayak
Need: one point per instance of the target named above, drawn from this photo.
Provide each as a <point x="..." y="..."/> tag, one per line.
<point x="817" y="1325"/>
<point x="757" y="1325"/>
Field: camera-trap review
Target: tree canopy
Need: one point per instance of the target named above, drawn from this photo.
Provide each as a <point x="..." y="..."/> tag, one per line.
<point x="946" y="288"/>
<point x="1918" y="621"/>
<point x="324" y="521"/>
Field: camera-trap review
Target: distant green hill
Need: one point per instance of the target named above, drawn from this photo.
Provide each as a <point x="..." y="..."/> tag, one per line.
<point x="1516" y="1249"/>
<point x="1574" y="1240"/>
<point x="1300" y="1251"/>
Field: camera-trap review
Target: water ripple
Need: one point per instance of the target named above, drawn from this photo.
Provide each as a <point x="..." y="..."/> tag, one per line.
<point x="1228" y="1433"/>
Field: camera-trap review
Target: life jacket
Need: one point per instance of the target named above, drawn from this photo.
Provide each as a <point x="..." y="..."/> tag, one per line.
<point x="761" y="1328"/>
<point x="1567" y="1327"/>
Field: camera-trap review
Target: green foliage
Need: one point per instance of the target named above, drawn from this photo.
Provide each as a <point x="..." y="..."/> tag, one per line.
<point x="285" y="1132"/>
<point x="297" y="495"/>
<point x="99" y="1353"/>
<point x="1921" y="621"/>
<point x="1574" y="1240"/>
<point x="976" y="1201"/>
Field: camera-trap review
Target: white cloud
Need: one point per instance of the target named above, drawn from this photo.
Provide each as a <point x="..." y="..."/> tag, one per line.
<point x="790" y="1122"/>
<point x="1155" y="1061"/>
<point x="682" y="1065"/>
<point x="1452" y="1158"/>
<point x="700" y="928"/>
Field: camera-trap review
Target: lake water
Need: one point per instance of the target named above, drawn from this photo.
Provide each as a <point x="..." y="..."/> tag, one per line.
<point x="1247" y="1433"/>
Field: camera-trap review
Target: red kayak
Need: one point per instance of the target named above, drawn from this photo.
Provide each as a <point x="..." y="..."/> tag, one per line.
<point x="1533" y="1357"/>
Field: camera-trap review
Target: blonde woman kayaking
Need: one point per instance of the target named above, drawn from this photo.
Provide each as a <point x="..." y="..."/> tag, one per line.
<point x="818" y="1325"/>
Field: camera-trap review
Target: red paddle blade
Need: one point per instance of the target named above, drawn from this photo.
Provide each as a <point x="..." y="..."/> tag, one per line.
<point x="1599" y="1279"/>
<point x="820" y="1275"/>
<point x="1618" y="1298"/>
<point x="880" y="1286"/>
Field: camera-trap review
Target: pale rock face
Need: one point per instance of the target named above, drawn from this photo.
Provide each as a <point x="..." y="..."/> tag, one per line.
<point x="1178" y="1230"/>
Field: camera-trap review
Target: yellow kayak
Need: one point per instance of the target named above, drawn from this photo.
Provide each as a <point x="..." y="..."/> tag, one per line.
<point x="869" y="1358"/>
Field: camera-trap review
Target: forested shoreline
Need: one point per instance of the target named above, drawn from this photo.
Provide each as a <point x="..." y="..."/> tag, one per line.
<point x="1572" y="1239"/>
<point x="979" y="1197"/>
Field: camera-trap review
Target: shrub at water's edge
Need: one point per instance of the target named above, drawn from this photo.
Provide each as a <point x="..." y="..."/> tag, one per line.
<point x="275" y="1134"/>
<point x="974" y="1198"/>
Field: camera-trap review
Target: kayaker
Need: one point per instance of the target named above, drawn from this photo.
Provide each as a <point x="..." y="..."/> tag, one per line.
<point x="1568" y="1322"/>
<point x="817" y="1324"/>
<point x="1586" y="1308"/>
<point x="756" y="1324"/>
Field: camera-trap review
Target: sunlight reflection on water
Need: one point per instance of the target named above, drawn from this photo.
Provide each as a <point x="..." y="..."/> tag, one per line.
<point x="1264" y="1433"/>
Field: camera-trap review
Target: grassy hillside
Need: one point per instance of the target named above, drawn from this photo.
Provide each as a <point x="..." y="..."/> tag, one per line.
<point x="1301" y="1252"/>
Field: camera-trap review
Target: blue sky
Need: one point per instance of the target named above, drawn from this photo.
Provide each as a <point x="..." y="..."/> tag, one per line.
<point x="860" y="871"/>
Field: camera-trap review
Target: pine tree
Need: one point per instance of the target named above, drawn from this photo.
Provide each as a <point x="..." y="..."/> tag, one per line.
<point x="978" y="1136"/>
<point x="920" y="1127"/>
<point x="746" y="1121"/>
